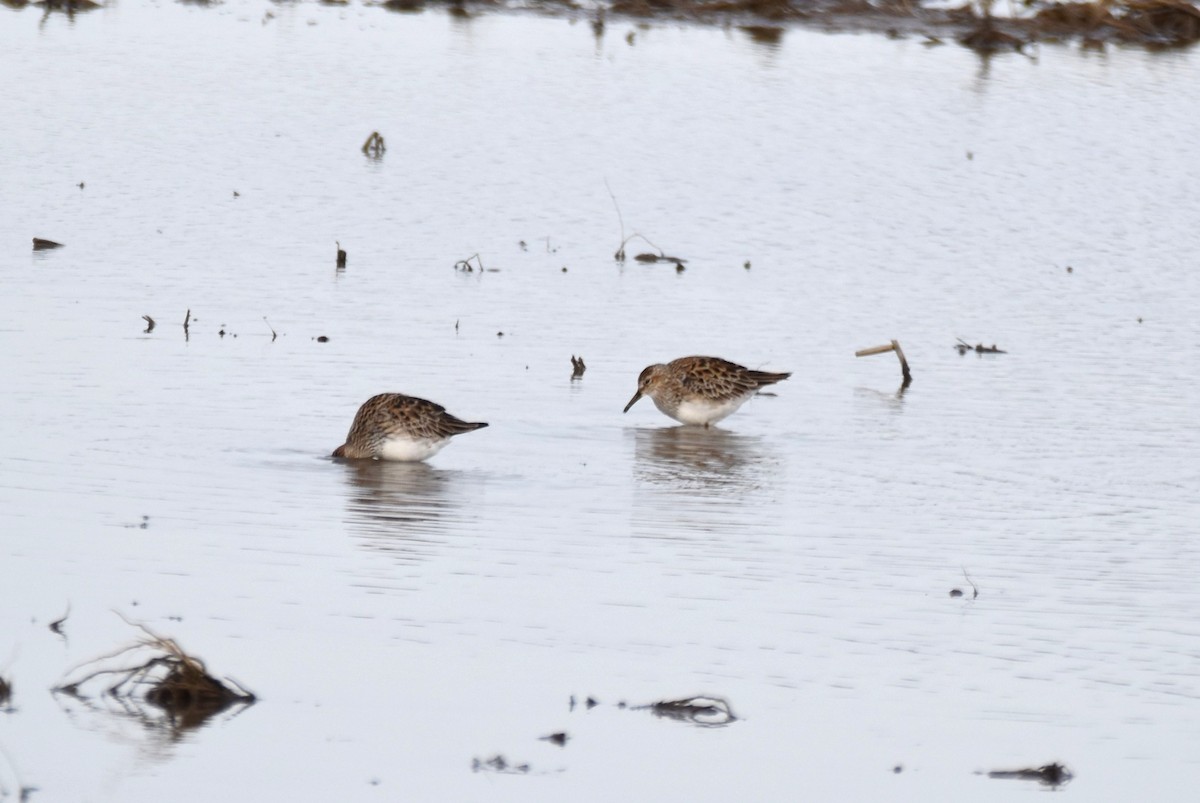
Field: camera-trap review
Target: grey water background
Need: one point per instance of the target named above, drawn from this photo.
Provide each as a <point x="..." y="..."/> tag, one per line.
<point x="399" y="622"/>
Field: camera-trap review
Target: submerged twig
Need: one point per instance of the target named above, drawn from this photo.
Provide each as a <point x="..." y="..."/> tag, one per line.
<point x="268" y="323"/>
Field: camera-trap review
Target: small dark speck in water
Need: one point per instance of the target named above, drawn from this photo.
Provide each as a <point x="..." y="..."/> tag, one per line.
<point x="564" y="270"/>
<point x="747" y="265"/>
<point x="1139" y="320"/>
<point x="956" y="592"/>
<point x="81" y="185"/>
<point x="559" y="738"/>
<point x="522" y="244"/>
<point x="499" y="334"/>
<point x="970" y="155"/>
<point x="1070" y="269"/>
<point x="374" y="782"/>
<point x="322" y="339"/>
<point x="899" y="768"/>
<point x="237" y="194"/>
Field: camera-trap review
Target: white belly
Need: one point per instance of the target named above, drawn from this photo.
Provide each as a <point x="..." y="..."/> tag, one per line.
<point x="706" y="412"/>
<point x="408" y="450"/>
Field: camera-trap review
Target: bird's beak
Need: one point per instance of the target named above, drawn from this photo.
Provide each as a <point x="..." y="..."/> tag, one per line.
<point x="632" y="401"/>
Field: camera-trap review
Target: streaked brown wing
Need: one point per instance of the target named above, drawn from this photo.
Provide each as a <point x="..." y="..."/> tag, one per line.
<point x="715" y="378"/>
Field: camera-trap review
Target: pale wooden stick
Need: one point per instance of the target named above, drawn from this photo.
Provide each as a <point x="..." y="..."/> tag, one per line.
<point x="893" y="346"/>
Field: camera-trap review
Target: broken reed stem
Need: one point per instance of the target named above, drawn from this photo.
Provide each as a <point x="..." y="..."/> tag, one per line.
<point x="620" y="255"/>
<point x="893" y="346"/>
<point x="874" y="350"/>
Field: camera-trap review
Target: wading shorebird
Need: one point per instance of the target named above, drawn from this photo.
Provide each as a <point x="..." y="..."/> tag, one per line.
<point x="701" y="390"/>
<point x="392" y="426"/>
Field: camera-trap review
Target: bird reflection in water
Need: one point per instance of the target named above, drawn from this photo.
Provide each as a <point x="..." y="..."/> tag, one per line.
<point x="399" y="506"/>
<point x="700" y="485"/>
<point x="700" y="458"/>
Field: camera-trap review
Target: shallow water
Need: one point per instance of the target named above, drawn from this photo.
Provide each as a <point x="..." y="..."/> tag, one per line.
<point x="400" y="621"/>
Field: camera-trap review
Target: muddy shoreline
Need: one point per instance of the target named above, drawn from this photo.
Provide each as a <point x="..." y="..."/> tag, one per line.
<point x="1155" y="24"/>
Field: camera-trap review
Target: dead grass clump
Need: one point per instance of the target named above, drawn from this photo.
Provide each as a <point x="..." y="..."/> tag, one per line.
<point x="1166" y="22"/>
<point x="764" y="9"/>
<point x="1074" y="18"/>
<point x="709" y="712"/>
<point x="987" y="37"/>
<point x="161" y="675"/>
<point x="405" y="5"/>
<point x="764" y="34"/>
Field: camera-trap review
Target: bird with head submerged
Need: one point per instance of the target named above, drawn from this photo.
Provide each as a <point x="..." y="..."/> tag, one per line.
<point x="701" y="390"/>
<point x="392" y="426"/>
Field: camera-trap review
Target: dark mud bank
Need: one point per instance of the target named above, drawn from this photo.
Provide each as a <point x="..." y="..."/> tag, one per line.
<point x="1149" y="23"/>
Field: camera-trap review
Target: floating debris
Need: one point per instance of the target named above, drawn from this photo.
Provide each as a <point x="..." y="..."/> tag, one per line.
<point x="577" y="367"/>
<point x="590" y="703"/>
<point x="893" y="346"/>
<point x="708" y="712"/>
<point x="498" y="763"/>
<point x="1047" y="775"/>
<point x="661" y="257"/>
<point x="470" y="264"/>
<point x="963" y="347"/>
<point x="322" y="339"/>
<point x="341" y="256"/>
<point x="163" y="676"/>
<point x="40" y="244"/>
<point x="268" y="323"/>
<point x="374" y="146"/>
<point x="619" y="256"/>
<point x="559" y="738"/>
<point x="747" y="265"/>
<point x="56" y="625"/>
<point x="149" y="324"/>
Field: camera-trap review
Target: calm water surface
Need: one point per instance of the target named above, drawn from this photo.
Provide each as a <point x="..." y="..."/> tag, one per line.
<point x="399" y="621"/>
